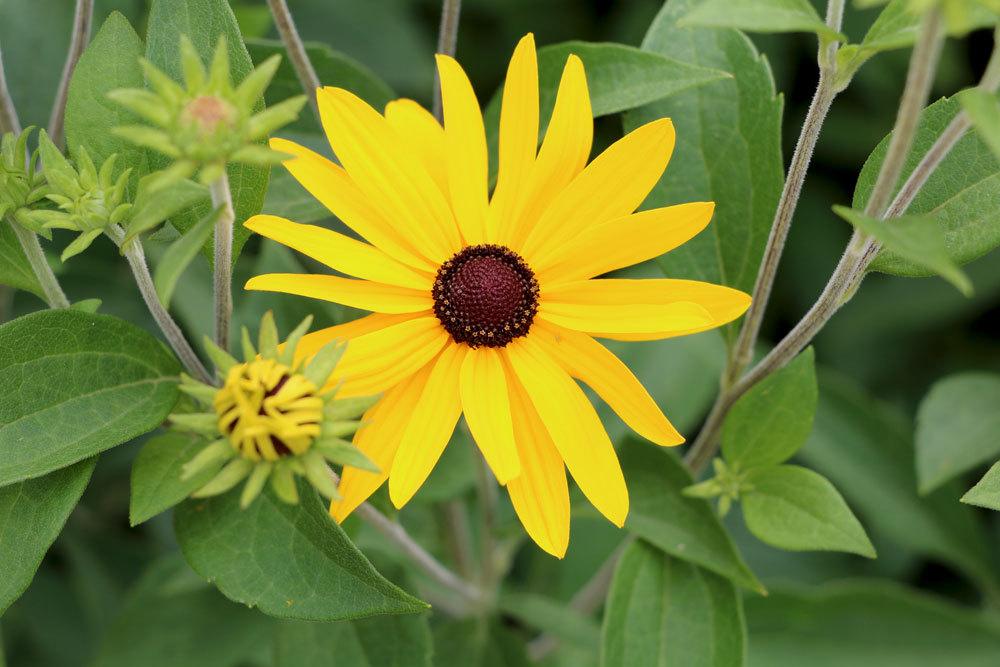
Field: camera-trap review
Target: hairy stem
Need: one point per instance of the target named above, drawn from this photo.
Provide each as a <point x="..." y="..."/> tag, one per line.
<point x="54" y="295"/>
<point x="83" y="18"/>
<point x="175" y="337"/>
<point x="456" y="534"/>
<point x="296" y="50"/>
<point x="8" y="114"/>
<point x="222" y="284"/>
<point x="447" y="39"/>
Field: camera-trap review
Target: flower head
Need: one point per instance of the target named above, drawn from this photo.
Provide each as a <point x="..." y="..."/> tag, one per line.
<point x="487" y="304"/>
<point x="273" y="419"/>
<point x="22" y="185"/>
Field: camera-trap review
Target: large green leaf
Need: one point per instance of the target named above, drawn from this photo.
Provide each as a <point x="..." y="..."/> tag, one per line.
<point x="290" y="561"/>
<point x="683" y="527"/>
<point x="111" y="61"/>
<point x="73" y="384"/>
<point x="771" y="421"/>
<point x="156" y="475"/>
<point x="382" y="641"/>
<point x="663" y="612"/>
<point x="866" y="449"/>
<point x="760" y="16"/>
<point x="796" y="509"/>
<point x="957" y="427"/>
<point x="31" y="515"/>
<point x="960" y="194"/>
<point x="204" y="21"/>
<point x="867" y="623"/>
<point x="171" y="619"/>
<point x="14" y="268"/>
<point x="986" y="492"/>
<point x="728" y="149"/>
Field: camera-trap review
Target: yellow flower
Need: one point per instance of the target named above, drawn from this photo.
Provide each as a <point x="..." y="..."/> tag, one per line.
<point x="487" y="306"/>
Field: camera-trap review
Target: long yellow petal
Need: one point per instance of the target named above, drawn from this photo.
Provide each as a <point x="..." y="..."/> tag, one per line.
<point x="339" y="252"/>
<point x="313" y="342"/>
<point x="466" y="159"/>
<point x="362" y="294"/>
<point x="539" y="494"/>
<point x="563" y="154"/>
<point x="422" y="134"/>
<point x="483" y="388"/>
<point x="518" y="138"/>
<point x="641" y="309"/>
<point x="435" y="414"/>
<point x="393" y="178"/>
<point x="623" y="242"/>
<point x="574" y="427"/>
<point x="592" y="363"/>
<point x="332" y="187"/>
<point x="611" y="186"/>
<point x="378" y="439"/>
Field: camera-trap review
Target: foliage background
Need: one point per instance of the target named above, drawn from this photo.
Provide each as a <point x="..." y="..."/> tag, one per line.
<point x="892" y="341"/>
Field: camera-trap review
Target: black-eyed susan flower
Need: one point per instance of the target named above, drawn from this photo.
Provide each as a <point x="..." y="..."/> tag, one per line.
<point x="486" y="305"/>
<point x="273" y="418"/>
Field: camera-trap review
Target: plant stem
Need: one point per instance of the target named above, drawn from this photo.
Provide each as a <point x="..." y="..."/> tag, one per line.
<point x="82" y="20"/>
<point x="447" y="39"/>
<point x="8" y="114"/>
<point x="54" y="295"/>
<point x="487" y="525"/>
<point x="223" y="269"/>
<point x="456" y="535"/>
<point x="296" y="51"/>
<point x="175" y="337"/>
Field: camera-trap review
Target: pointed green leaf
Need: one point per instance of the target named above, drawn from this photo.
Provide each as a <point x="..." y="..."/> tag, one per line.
<point x="986" y="492"/>
<point x="760" y="16"/>
<point x="156" y="475"/>
<point x="180" y="254"/>
<point x="154" y="204"/>
<point x="983" y="110"/>
<point x="14" y="268"/>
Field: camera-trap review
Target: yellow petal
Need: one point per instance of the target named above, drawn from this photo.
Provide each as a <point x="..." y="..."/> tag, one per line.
<point x="539" y="494"/>
<point x="362" y="294"/>
<point x="518" y="138"/>
<point x="563" y="154"/>
<point x="434" y="417"/>
<point x="641" y="309"/>
<point x="611" y="186"/>
<point x="422" y="134"/>
<point x="574" y="426"/>
<point x="483" y="388"/>
<point x="623" y="242"/>
<point x="339" y="252"/>
<point x="376" y="361"/>
<point x="466" y="147"/>
<point x="378" y="439"/>
<point x="393" y="179"/>
<point x="592" y="363"/>
<point x="333" y="188"/>
<point x="313" y="342"/>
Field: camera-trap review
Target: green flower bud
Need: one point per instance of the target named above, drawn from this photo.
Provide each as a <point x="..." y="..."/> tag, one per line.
<point x="21" y="184"/>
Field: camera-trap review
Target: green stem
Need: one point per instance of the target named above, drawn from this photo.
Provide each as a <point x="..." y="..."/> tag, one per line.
<point x="447" y="40"/>
<point x="223" y="271"/>
<point x="296" y="50"/>
<point x="82" y="20"/>
<point x="8" y="114"/>
<point x="54" y="295"/>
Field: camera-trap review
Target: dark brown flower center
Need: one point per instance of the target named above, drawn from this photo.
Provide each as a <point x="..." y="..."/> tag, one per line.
<point x="485" y="295"/>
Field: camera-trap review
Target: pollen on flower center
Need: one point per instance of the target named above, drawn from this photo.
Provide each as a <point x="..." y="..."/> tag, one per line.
<point x="485" y="295"/>
<point x="267" y="411"/>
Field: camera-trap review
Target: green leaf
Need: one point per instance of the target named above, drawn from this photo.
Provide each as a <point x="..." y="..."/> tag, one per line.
<point x="986" y="492"/>
<point x="866" y="450"/>
<point x="14" y="268"/>
<point x="728" y="150"/>
<point x="390" y="641"/>
<point x="983" y="110"/>
<point x="153" y="205"/>
<point x="156" y="475"/>
<point x="111" y="61"/>
<point x="664" y="612"/>
<point x="32" y="514"/>
<point x="180" y="254"/>
<point x="686" y="528"/>
<point x="769" y="423"/>
<point x="471" y="643"/>
<point x="171" y="618"/>
<point x="760" y="16"/>
<point x="796" y="509"/>
<point x="291" y="561"/>
<point x="551" y="616"/>
<point x="914" y="238"/>
<point x="957" y="426"/>
<point x="73" y="384"/>
<point x="867" y="622"/>
<point x="204" y="21"/>
<point x="960" y="194"/>
<point x="619" y="77"/>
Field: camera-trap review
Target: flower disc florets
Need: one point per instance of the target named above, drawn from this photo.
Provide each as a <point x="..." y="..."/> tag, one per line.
<point x="485" y="295"/>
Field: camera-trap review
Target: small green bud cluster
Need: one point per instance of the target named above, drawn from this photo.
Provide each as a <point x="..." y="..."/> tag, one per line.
<point x="22" y="185"/>
<point x="727" y="485"/>
<point x="207" y="121"/>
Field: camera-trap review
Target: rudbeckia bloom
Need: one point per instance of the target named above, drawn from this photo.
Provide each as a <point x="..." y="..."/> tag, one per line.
<point x="486" y="305"/>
